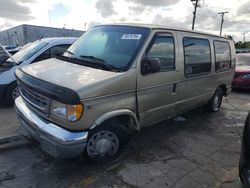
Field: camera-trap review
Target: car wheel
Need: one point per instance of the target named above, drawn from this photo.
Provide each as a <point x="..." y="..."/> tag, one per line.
<point x="12" y="93"/>
<point x="215" y="103"/>
<point x="106" y="141"/>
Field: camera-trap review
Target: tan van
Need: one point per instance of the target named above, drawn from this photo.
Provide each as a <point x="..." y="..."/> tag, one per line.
<point x="119" y="78"/>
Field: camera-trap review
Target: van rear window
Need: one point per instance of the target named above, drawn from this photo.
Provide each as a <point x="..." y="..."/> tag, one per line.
<point x="222" y="56"/>
<point x="197" y="56"/>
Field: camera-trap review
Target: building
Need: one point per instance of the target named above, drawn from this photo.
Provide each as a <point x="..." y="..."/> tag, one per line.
<point x="23" y="34"/>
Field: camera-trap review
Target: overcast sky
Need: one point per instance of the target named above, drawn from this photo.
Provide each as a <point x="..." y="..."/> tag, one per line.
<point x="76" y="13"/>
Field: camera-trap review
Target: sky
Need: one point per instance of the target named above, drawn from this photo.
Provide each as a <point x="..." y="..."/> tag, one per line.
<point x="82" y="14"/>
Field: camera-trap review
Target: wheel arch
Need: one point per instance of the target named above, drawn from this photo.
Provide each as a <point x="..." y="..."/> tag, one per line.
<point x="224" y="89"/>
<point x="122" y="114"/>
<point x="8" y="86"/>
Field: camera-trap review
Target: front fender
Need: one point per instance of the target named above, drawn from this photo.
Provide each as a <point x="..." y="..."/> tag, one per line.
<point x="113" y="114"/>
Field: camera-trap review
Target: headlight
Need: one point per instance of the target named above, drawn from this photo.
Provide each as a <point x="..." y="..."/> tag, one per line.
<point x="67" y="112"/>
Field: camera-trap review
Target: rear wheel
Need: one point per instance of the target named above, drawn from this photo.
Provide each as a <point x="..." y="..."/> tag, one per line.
<point x="12" y="93"/>
<point x="214" y="104"/>
<point x="106" y="141"/>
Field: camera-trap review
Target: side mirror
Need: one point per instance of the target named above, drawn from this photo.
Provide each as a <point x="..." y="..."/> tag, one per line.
<point x="150" y="65"/>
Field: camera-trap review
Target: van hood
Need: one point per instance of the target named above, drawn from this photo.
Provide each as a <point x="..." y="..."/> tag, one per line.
<point x="86" y="81"/>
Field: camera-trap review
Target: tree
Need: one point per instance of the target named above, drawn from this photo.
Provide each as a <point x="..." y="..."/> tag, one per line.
<point x="242" y="44"/>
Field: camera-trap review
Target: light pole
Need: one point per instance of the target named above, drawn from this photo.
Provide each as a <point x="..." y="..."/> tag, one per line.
<point x="194" y="13"/>
<point x="222" y="20"/>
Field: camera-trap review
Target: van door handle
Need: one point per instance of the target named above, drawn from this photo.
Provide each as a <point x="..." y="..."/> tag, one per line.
<point x="174" y="89"/>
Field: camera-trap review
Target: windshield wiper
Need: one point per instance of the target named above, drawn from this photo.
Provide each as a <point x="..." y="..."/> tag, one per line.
<point x="89" y="61"/>
<point x="100" y="62"/>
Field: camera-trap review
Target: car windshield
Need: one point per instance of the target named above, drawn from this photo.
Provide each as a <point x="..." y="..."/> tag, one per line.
<point x="113" y="47"/>
<point x="28" y="51"/>
<point x="243" y="59"/>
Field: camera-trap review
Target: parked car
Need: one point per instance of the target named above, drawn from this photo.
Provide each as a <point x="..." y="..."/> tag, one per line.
<point x="242" y="72"/>
<point x="119" y="78"/>
<point x="5" y="51"/>
<point x="244" y="165"/>
<point x="39" y="50"/>
<point x="242" y="50"/>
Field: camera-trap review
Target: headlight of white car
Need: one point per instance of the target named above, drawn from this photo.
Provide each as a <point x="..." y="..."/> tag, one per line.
<point x="67" y="112"/>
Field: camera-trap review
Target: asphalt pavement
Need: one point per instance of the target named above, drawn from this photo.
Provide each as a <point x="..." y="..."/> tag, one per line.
<point x="9" y="125"/>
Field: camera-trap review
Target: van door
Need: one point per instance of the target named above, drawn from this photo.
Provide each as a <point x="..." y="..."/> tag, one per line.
<point x="156" y="92"/>
<point x="195" y="88"/>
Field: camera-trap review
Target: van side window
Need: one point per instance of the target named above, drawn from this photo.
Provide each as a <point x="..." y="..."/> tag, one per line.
<point x="197" y="56"/>
<point x="222" y="56"/>
<point x="162" y="48"/>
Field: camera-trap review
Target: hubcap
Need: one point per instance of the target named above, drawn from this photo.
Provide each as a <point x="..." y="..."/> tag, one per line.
<point x="103" y="143"/>
<point x="216" y="101"/>
<point x="15" y="93"/>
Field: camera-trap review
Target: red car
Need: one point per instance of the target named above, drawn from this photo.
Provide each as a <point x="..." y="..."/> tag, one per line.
<point x="242" y="72"/>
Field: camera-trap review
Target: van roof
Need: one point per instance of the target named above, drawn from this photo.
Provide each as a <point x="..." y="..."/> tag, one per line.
<point x="155" y="26"/>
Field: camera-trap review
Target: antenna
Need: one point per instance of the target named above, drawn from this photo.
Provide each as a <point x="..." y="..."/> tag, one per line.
<point x="42" y="35"/>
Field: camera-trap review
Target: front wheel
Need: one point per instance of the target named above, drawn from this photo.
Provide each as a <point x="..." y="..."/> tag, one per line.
<point x="12" y="93"/>
<point x="105" y="142"/>
<point x="214" y="104"/>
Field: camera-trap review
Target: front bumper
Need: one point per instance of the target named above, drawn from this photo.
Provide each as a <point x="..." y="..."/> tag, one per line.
<point x="54" y="140"/>
<point x="240" y="84"/>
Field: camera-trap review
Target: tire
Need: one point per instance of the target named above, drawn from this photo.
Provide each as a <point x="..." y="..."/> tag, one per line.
<point x="11" y="94"/>
<point x="214" y="103"/>
<point x="240" y="169"/>
<point x="105" y="142"/>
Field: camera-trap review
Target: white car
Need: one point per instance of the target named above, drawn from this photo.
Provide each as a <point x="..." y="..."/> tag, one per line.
<point x="33" y="52"/>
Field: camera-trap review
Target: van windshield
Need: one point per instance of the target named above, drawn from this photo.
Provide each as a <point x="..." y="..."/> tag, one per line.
<point x="114" y="47"/>
<point x="28" y="51"/>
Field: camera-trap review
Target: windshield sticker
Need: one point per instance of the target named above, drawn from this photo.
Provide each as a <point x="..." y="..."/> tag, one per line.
<point x="131" y="36"/>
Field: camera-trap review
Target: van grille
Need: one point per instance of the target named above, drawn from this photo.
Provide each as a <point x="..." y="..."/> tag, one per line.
<point x="34" y="99"/>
